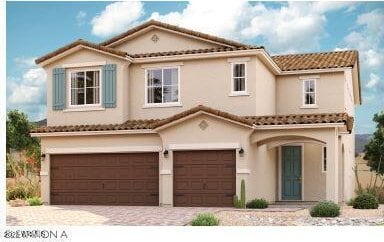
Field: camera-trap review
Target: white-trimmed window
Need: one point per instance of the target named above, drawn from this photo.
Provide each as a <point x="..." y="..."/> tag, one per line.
<point x="309" y="92"/>
<point x="162" y="85"/>
<point x="324" y="163"/>
<point x="239" y="77"/>
<point x="85" y="88"/>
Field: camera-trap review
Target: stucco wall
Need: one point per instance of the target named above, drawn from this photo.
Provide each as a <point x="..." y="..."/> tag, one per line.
<point x="166" y="42"/>
<point x="314" y="177"/>
<point x="104" y="116"/>
<point x="207" y="82"/>
<point x="329" y="95"/>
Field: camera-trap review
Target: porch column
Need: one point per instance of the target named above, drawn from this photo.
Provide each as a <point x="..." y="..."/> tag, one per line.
<point x="332" y="181"/>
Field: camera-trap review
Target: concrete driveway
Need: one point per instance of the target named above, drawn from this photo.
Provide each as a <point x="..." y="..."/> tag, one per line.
<point x="102" y="215"/>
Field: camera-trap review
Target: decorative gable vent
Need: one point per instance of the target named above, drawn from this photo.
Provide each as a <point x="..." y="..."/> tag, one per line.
<point x="155" y="38"/>
<point x="203" y="125"/>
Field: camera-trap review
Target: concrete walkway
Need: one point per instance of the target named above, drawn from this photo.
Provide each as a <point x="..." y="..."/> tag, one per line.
<point x="102" y="215"/>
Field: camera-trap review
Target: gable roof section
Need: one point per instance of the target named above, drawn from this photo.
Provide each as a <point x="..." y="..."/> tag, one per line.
<point x="193" y="33"/>
<point x="148" y="124"/>
<point x="204" y="109"/>
<point x="80" y="42"/>
<point x="194" y="51"/>
<point x="322" y="60"/>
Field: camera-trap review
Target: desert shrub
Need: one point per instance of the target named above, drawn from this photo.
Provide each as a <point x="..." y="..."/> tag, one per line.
<point x="205" y="219"/>
<point x="34" y="201"/>
<point x="240" y="203"/>
<point x="325" y="209"/>
<point x="236" y="202"/>
<point x="257" y="203"/>
<point x="23" y="190"/>
<point x="366" y="201"/>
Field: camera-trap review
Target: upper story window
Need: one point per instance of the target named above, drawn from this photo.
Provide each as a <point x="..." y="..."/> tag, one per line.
<point x="85" y="88"/>
<point x="309" y="92"/>
<point x="162" y="85"/>
<point x="239" y="78"/>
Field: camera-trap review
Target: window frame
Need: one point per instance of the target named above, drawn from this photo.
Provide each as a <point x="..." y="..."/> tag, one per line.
<point x="69" y="89"/>
<point x="162" y="104"/>
<point x="312" y="105"/>
<point x="324" y="160"/>
<point x="239" y="93"/>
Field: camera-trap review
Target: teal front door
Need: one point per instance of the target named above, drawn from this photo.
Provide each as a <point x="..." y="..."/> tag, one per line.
<point x="291" y="173"/>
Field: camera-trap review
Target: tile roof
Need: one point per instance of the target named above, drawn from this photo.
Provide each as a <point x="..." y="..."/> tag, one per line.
<point x="324" y="60"/>
<point x="317" y="118"/>
<point x="193" y="51"/>
<point x="247" y="120"/>
<point x="128" y="125"/>
<point x="174" y="28"/>
<point x="80" y="42"/>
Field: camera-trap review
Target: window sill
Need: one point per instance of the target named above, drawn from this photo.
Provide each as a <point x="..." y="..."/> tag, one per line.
<point x="162" y="105"/>
<point x="237" y="94"/>
<point x="309" y="107"/>
<point x="83" y="109"/>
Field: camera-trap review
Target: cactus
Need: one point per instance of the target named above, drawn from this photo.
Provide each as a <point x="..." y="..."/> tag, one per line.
<point x="236" y="202"/>
<point x="242" y="194"/>
<point x="240" y="203"/>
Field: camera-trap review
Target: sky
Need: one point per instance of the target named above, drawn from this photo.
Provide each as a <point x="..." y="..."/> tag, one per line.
<point x="36" y="28"/>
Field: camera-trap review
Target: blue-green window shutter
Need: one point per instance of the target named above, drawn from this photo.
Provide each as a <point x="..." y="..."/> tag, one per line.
<point x="109" y="85"/>
<point x="58" y="89"/>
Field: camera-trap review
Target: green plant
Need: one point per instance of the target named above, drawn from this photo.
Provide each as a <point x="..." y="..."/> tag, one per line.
<point x="257" y="203"/>
<point x="34" y="201"/>
<point x="236" y="202"/>
<point x="242" y="194"/>
<point x="366" y="201"/>
<point x="205" y="219"/>
<point x="23" y="189"/>
<point x="325" y="209"/>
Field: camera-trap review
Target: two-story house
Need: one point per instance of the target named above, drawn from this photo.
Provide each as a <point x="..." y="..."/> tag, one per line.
<point x="162" y="115"/>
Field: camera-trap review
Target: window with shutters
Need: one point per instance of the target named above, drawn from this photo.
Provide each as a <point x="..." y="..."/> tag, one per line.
<point x="85" y="88"/>
<point x="239" y="78"/>
<point x="162" y="86"/>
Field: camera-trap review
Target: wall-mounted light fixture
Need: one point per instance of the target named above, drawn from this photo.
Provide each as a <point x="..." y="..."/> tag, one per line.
<point x="165" y="153"/>
<point x="42" y="156"/>
<point x="241" y="152"/>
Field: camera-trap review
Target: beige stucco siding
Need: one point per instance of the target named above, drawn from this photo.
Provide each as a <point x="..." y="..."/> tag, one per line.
<point x="103" y="116"/>
<point x="265" y="90"/>
<point x="167" y="41"/>
<point x="208" y="82"/>
<point x="329" y="93"/>
<point x="313" y="177"/>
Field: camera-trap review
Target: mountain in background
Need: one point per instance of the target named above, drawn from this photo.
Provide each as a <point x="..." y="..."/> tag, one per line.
<point x="360" y="141"/>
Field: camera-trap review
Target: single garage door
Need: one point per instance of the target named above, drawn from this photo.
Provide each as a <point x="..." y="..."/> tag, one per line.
<point x="204" y="178"/>
<point x="105" y="179"/>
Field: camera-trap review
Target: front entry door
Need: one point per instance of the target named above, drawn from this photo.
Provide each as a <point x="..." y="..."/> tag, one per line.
<point x="291" y="172"/>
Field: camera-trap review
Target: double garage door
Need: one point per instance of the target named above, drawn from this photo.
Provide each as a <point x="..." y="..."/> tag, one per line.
<point x="201" y="178"/>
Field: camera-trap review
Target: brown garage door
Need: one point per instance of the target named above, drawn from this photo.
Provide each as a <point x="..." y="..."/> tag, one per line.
<point x="204" y="178"/>
<point x="105" y="179"/>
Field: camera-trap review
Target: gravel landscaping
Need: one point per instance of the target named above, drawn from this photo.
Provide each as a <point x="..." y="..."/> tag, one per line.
<point x="300" y="217"/>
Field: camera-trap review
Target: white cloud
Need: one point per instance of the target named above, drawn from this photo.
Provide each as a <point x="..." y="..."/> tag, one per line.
<point x="368" y="39"/>
<point x="291" y="27"/>
<point x="373" y="81"/>
<point x="117" y="17"/>
<point x="80" y="18"/>
<point x="27" y="93"/>
<point x="24" y="62"/>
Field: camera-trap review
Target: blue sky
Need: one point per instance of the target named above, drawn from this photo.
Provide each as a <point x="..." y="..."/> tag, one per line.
<point x="36" y="28"/>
